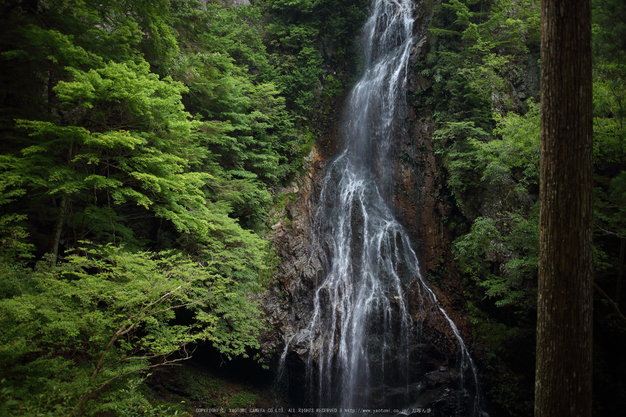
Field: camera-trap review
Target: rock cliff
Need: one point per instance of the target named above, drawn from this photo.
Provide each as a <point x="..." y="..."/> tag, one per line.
<point x="417" y="184"/>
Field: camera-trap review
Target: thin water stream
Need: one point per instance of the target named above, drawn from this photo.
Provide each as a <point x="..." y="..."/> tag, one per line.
<point x="361" y="333"/>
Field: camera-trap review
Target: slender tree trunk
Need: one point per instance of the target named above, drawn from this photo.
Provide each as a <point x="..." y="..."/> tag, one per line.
<point x="565" y="296"/>
<point x="58" y="228"/>
<point x="60" y="222"/>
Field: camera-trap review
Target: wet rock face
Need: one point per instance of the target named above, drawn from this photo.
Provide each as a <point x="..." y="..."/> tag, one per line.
<point x="289" y="304"/>
<point x="434" y="354"/>
<point x="417" y="179"/>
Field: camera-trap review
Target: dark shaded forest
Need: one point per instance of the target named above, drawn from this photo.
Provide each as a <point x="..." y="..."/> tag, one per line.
<point x="143" y="147"/>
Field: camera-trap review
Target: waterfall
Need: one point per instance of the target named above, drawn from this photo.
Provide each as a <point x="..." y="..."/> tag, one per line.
<point x="361" y="334"/>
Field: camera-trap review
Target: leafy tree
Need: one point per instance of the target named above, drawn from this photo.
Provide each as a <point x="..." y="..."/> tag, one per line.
<point x="494" y="177"/>
<point x="126" y="146"/>
<point x="509" y="278"/>
<point x="143" y="127"/>
<point x="296" y="31"/>
<point x="609" y="26"/>
<point x="233" y="87"/>
<point x="515" y="153"/>
<point x="143" y="26"/>
<point x="73" y="330"/>
<point x="458" y="144"/>
<point x="482" y="39"/>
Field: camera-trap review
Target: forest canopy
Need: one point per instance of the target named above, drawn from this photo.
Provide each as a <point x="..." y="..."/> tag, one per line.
<point x="484" y="60"/>
<point x="141" y="146"/>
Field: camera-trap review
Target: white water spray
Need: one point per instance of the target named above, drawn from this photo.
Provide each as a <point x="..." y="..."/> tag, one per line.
<point x="361" y="330"/>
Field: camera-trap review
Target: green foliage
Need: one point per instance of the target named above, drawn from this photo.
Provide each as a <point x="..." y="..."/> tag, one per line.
<point x="482" y="148"/>
<point x="143" y="25"/>
<point x="14" y="246"/>
<point x="609" y="88"/>
<point x="137" y="162"/>
<point x="479" y="242"/>
<point x="516" y="154"/>
<point x="505" y="350"/>
<point x="457" y="144"/>
<point x="488" y="144"/>
<point x="72" y="330"/>
<point x="153" y="126"/>
<point x="295" y="30"/>
<point x="301" y="68"/>
<point x="502" y="258"/>
<point x="248" y="129"/>
<point x="132" y="402"/>
<point x="490" y="155"/>
<point x="472" y="62"/>
<point x="609" y="30"/>
<point x="609" y="73"/>
<point x="210" y="390"/>
<point x="611" y="205"/>
<point x="199" y="386"/>
<point x="243" y="400"/>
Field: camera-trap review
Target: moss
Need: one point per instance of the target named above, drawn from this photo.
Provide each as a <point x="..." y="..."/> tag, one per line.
<point x="242" y="400"/>
<point x="266" y="276"/>
<point x="282" y="200"/>
<point x="306" y="147"/>
<point x="198" y="386"/>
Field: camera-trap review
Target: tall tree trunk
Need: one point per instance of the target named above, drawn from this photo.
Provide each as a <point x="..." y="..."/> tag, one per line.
<point x="58" y="228"/>
<point x="60" y="222"/>
<point x="565" y="305"/>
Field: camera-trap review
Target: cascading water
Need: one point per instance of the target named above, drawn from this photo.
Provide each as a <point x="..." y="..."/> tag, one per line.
<point x="361" y="334"/>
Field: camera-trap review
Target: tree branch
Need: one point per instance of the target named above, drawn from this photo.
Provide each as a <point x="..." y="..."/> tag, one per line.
<point x="148" y="357"/>
<point x="80" y="407"/>
<point x="612" y="303"/>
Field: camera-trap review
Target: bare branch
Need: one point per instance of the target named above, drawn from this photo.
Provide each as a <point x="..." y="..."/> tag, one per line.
<point x="182" y="348"/>
<point x="79" y="409"/>
<point x="612" y="303"/>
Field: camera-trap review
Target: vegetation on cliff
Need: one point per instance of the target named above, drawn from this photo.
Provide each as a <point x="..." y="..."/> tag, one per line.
<point x="483" y="61"/>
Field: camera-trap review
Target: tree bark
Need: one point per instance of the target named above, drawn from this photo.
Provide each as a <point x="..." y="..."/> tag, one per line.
<point x="563" y="383"/>
<point x="58" y="228"/>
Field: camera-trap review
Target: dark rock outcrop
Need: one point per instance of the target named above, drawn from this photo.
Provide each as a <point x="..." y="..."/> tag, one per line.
<point x="434" y="355"/>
